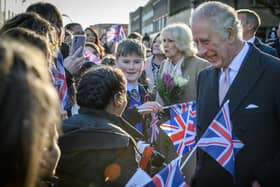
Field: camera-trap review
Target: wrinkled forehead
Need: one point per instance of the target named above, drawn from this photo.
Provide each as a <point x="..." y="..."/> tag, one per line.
<point x="201" y="28"/>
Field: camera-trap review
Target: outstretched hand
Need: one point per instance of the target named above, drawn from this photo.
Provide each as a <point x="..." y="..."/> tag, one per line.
<point x="73" y="62"/>
<point x="149" y="107"/>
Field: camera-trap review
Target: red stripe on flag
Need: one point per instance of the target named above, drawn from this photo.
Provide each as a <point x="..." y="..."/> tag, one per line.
<point x="218" y="128"/>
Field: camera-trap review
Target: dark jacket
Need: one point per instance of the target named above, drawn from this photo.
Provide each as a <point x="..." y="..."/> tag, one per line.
<point x="93" y="141"/>
<point x="265" y="48"/>
<point x="258" y="127"/>
<point x="276" y="45"/>
<point x="133" y="116"/>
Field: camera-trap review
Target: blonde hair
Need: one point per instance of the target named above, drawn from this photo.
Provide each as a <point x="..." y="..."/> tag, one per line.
<point x="182" y="35"/>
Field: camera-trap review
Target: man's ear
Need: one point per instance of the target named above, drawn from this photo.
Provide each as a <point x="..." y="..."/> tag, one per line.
<point x="250" y="25"/>
<point x="231" y="34"/>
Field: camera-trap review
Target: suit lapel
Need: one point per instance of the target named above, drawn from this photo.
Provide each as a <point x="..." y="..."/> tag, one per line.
<point x="249" y="72"/>
<point x="208" y="99"/>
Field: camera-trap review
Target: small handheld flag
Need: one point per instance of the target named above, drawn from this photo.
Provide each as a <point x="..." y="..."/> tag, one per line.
<point x="181" y="128"/>
<point x="218" y="140"/>
<point x="169" y="176"/>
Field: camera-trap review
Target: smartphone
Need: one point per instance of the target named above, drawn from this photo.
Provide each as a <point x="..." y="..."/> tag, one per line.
<point x="78" y="41"/>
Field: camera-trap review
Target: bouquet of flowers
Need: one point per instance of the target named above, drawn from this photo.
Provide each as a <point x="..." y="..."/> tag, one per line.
<point x="170" y="88"/>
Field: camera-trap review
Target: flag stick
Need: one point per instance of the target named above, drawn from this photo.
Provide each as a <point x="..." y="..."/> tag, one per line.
<point x="166" y="107"/>
<point x="188" y="157"/>
<point x="149" y="110"/>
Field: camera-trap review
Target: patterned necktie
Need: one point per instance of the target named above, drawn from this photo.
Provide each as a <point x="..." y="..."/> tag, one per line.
<point x="135" y="100"/>
<point x="224" y="84"/>
<point x="135" y="95"/>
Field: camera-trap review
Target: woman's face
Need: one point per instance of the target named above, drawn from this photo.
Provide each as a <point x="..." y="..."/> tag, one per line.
<point x="90" y="37"/>
<point x="156" y="46"/>
<point x="169" y="45"/>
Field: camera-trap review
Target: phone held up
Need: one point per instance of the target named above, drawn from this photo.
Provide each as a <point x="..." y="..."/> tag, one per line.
<point x="77" y="42"/>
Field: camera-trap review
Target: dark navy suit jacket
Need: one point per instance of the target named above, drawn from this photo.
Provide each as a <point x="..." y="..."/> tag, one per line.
<point x="265" y="48"/>
<point x="256" y="84"/>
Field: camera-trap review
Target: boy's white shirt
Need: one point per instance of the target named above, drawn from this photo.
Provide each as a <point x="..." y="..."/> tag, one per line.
<point x="131" y="86"/>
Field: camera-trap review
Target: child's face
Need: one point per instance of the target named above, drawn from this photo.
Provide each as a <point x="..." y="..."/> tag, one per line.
<point x="132" y="66"/>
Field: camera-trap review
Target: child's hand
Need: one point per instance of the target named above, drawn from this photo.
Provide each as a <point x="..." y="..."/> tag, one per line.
<point x="149" y="107"/>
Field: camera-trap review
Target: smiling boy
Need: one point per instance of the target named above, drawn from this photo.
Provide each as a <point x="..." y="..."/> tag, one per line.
<point x="131" y="59"/>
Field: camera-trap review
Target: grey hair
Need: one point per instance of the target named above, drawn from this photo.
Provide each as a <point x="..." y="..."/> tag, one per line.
<point x="222" y="17"/>
<point x="182" y="35"/>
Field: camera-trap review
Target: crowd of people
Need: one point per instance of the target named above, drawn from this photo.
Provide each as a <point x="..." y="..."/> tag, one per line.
<point x="89" y="120"/>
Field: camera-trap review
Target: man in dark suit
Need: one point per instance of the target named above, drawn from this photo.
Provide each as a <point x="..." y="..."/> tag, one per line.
<point x="276" y="43"/>
<point x="250" y="22"/>
<point x="254" y="99"/>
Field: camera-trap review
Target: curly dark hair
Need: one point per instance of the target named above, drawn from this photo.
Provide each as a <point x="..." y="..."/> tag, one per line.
<point x="99" y="85"/>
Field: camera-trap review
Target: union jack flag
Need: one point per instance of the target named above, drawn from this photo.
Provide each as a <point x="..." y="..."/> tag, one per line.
<point x="178" y="109"/>
<point x="89" y="56"/>
<point x="218" y="140"/>
<point x="181" y="129"/>
<point x="154" y="127"/>
<point x="59" y="82"/>
<point x="169" y="176"/>
<point x="115" y="33"/>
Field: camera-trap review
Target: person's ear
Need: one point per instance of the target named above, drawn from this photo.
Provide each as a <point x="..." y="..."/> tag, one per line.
<point x="251" y="26"/>
<point x="117" y="100"/>
<point x="231" y="35"/>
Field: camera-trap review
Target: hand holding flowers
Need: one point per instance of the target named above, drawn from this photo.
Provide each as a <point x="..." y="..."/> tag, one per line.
<point x="170" y="88"/>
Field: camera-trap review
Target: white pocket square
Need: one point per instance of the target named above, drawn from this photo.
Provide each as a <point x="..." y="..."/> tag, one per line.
<point x="251" y="106"/>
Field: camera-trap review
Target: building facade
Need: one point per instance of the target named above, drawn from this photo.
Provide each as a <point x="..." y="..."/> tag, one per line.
<point x="135" y="21"/>
<point x="9" y="8"/>
<point x="147" y="18"/>
<point x="103" y="27"/>
<point x="160" y="8"/>
<point x="164" y="12"/>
